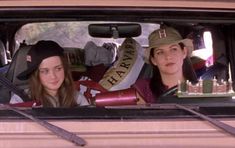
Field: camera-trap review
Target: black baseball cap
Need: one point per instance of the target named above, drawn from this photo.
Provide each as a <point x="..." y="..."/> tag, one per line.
<point x="38" y="52"/>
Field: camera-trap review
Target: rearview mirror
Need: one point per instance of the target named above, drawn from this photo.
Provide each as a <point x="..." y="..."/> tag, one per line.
<point x="114" y="30"/>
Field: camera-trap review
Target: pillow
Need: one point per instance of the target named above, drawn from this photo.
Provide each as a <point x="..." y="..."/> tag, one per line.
<point x="126" y="69"/>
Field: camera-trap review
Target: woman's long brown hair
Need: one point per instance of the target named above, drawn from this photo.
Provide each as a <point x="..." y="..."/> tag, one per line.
<point x="66" y="92"/>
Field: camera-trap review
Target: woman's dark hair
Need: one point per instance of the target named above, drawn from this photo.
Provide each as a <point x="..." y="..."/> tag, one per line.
<point x="156" y="84"/>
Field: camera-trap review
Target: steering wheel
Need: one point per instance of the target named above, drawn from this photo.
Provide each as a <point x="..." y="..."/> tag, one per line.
<point x="169" y="92"/>
<point x="165" y="96"/>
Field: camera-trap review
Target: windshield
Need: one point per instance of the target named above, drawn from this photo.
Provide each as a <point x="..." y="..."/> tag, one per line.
<point x="75" y="37"/>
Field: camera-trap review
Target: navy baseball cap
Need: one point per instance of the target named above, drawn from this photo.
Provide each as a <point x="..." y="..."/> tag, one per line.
<point x="38" y="52"/>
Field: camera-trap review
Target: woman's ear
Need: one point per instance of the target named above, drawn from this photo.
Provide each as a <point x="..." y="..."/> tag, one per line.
<point x="153" y="61"/>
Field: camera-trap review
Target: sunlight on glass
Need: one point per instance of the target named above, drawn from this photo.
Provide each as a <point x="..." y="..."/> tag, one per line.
<point x="206" y="53"/>
<point x="209" y="49"/>
<point x="74" y="34"/>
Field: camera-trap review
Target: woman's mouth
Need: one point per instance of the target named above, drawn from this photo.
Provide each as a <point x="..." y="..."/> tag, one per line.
<point x="54" y="83"/>
<point x="170" y="64"/>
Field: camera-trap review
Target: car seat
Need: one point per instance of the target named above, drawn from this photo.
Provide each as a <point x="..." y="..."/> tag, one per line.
<point x="219" y="70"/>
<point x="17" y="66"/>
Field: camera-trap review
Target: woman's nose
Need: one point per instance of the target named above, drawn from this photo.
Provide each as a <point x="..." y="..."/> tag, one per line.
<point x="53" y="74"/>
<point x="168" y="55"/>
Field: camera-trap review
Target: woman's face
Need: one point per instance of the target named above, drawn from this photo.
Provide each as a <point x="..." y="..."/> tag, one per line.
<point x="51" y="74"/>
<point x="169" y="58"/>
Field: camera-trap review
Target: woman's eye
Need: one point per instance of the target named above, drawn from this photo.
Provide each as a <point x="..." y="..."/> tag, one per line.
<point x="159" y="53"/>
<point x="44" y="71"/>
<point x="174" y="49"/>
<point x="59" y="68"/>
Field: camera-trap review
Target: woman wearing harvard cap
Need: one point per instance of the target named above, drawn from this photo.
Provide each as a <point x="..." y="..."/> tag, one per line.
<point x="50" y="81"/>
<point x="168" y="53"/>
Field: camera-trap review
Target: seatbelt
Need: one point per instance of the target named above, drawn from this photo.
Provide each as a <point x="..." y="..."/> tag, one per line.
<point x="7" y="83"/>
<point x="55" y="129"/>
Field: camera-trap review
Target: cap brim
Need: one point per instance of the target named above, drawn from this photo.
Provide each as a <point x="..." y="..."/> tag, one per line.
<point x="189" y="45"/>
<point x="25" y="74"/>
<point x="187" y="42"/>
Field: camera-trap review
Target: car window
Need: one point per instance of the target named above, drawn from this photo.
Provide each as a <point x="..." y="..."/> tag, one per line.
<point x="105" y="71"/>
<point x="76" y="35"/>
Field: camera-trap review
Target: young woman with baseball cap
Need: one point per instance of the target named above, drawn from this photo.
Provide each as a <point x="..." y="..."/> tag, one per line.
<point x="50" y="80"/>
